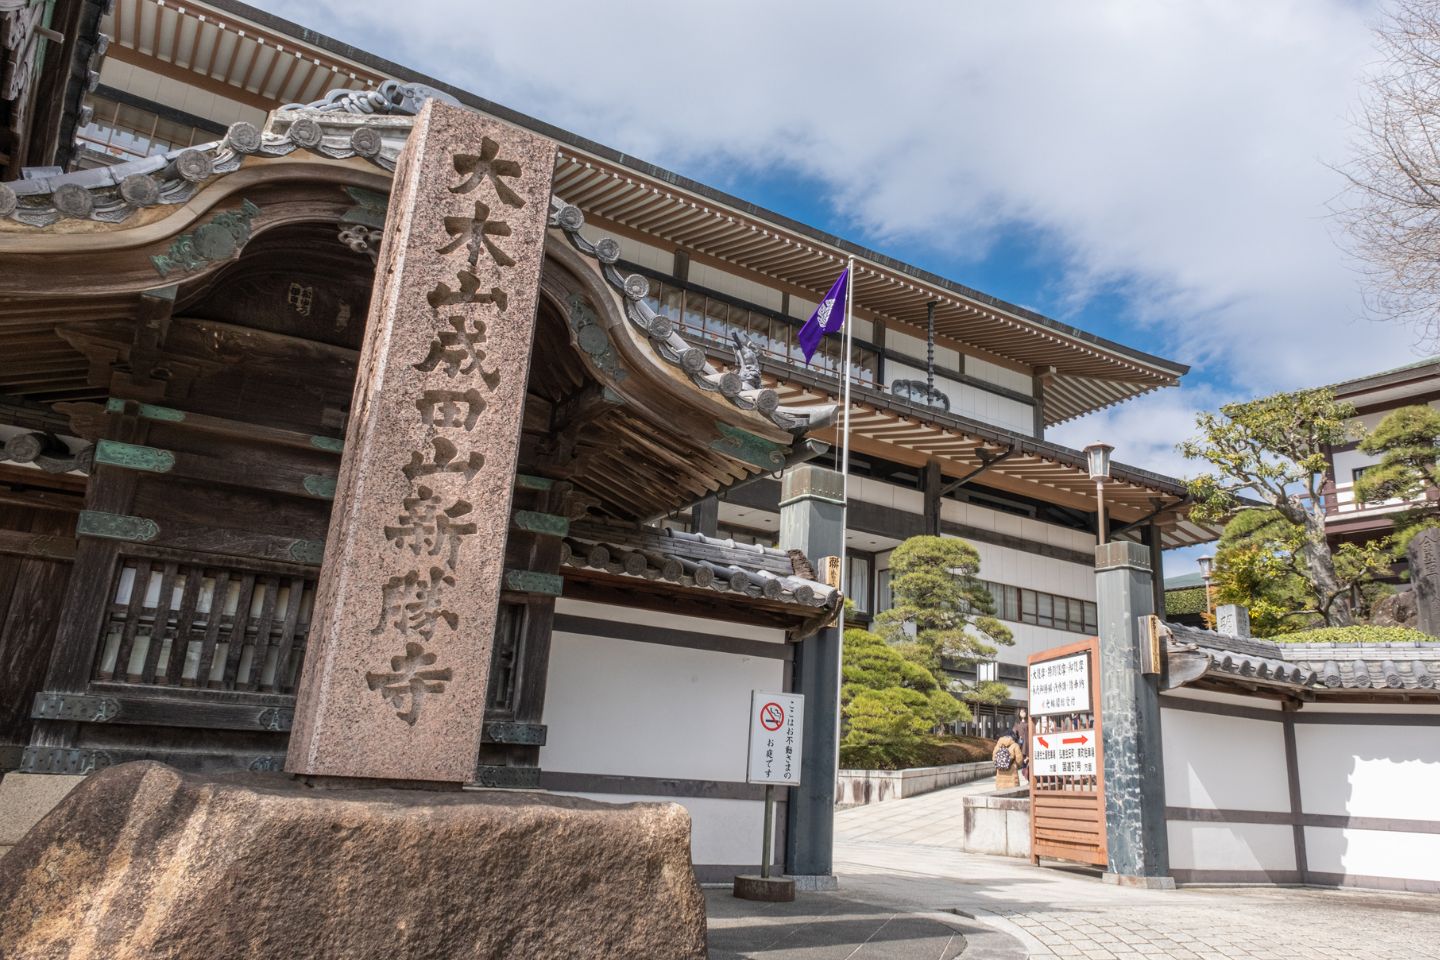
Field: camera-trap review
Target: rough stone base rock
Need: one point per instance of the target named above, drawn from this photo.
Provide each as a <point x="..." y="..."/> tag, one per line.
<point x="141" y="861"/>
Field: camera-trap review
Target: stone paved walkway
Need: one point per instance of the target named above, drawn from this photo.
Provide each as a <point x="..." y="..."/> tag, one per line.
<point x="931" y="819"/>
<point x="826" y="927"/>
<point x="902" y="856"/>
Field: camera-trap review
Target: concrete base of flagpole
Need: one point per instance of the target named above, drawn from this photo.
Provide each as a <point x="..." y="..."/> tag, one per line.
<point x="767" y="889"/>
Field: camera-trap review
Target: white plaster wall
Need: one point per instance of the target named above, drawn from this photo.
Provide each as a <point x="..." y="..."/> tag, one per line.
<point x="721" y="831"/>
<point x="1020" y="568"/>
<point x="1231" y="846"/>
<point x="969" y="401"/>
<point x="985" y="518"/>
<point x="1347" y="461"/>
<point x="647" y="710"/>
<point x="1002" y="376"/>
<point x="1373" y="853"/>
<point x="627" y="708"/>
<point x="1365" y="770"/>
<point x="1032" y="639"/>
<point x="1224" y="763"/>
<point x="908" y="344"/>
<point x="723" y="281"/>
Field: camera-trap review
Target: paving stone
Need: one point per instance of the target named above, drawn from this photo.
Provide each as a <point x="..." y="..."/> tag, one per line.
<point x="1071" y="915"/>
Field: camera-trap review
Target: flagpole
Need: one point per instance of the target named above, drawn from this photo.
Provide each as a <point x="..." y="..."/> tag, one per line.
<point x="848" y="342"/>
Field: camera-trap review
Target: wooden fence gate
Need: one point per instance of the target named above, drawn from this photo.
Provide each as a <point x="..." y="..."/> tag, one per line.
<point x="1067" y="770"/>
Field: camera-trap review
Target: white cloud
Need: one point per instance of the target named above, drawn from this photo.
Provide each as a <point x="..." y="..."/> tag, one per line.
<point x="1145" y="431"/>
<point x="1175" y="151"/>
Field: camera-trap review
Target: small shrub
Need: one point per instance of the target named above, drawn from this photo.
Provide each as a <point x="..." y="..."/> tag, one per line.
<point x="1357" y="634"/>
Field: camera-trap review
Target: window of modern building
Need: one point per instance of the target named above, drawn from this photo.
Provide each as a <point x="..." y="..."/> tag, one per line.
<point x="987" y="670"/>
<point x="859" y="581"/>
<point x="1019" y="605"/>
<point x="883" y="600"/>
<point x="128" y="132"/>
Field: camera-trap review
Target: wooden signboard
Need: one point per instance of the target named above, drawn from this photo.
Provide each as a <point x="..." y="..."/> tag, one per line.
<point x="1067" y="770"/>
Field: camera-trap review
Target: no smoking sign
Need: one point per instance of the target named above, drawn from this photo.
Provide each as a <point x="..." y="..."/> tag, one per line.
<point x="775" y="737"/>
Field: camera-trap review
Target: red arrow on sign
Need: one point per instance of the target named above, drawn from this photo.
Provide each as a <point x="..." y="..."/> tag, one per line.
<point x="1080" y="739"/>
<point x="1041" y="741"/>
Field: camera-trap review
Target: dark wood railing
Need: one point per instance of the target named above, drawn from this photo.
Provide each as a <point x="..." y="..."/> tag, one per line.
<point x="205" y="626"/>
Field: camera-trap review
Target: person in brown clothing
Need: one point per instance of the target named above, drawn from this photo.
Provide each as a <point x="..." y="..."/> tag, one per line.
<point x="1009" y="757"/>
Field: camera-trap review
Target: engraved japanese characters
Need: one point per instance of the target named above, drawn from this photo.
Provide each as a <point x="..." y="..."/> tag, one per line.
<point x="396" y="685"/>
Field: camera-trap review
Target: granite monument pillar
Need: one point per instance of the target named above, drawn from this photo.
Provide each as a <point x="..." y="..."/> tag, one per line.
<point x="1130" y="720"/>
<point x="1424" y="556"/>
<point x="395" y="680"/>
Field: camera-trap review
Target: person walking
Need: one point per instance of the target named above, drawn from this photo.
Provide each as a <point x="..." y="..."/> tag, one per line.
<point x="1008" y="756"/>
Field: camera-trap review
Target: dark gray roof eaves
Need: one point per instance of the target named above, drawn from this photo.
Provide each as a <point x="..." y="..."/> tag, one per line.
<point x="1430" y="366"/>
<point x="1315" y="666"/>
<point x="696" y="561"/>
<point x="398" y="71"/>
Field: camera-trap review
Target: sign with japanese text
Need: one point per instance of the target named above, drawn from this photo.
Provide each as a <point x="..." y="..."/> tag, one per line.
<point x="1067" y="754"/>
<point x="776" y="723"/>
<point x="1061" y="685"/>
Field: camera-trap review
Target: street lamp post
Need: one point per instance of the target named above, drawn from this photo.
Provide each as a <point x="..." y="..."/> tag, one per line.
<point x="1098" y="455"/>
<point x="1206" y="563"/>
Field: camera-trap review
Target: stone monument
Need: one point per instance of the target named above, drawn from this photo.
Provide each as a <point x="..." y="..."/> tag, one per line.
<point x="395" y="680"/>
<point x="1424" y="556"/>
<point x="141" y="861"/>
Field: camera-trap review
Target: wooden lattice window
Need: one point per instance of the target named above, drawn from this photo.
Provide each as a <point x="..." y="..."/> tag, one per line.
<point x="200" y="625"/>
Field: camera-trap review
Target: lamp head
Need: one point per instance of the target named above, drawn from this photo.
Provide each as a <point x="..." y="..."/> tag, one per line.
<point x="1098" y="455"/>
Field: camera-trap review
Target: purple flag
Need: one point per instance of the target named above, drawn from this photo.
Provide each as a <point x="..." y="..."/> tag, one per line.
<point x="827" y="318"/>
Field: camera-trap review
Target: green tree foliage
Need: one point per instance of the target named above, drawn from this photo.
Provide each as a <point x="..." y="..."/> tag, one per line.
<point x="1260" y="565"/>
<point x="889" y="705"/>
<point x="1408" y="444"/>
<point x="942" y="614"/>
<point x="1274" y="449"/>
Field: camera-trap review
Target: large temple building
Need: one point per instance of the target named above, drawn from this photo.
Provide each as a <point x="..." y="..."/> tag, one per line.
<point x="189" y="232"/>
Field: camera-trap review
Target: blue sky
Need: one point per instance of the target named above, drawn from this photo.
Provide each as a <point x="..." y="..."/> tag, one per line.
<point x="1160" y="172"/>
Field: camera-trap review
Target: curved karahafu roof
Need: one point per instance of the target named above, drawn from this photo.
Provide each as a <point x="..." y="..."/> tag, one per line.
<point x="371" y="126"/>
<point x="89" y="248"/>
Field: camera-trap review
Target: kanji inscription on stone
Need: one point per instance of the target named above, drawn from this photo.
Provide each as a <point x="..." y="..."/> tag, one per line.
<point x="411" y="677"/>
<point x="415" y="555"/>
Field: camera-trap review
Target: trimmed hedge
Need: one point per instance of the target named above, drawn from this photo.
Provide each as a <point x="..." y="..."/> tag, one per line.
<point x="1185" y="600"/>
<point x="1357" y="634"/>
